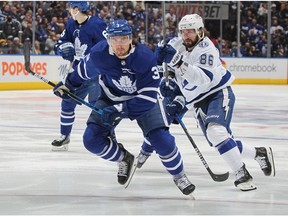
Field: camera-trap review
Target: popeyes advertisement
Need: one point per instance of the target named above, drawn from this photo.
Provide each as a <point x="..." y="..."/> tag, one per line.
<point x="13" y="72"/>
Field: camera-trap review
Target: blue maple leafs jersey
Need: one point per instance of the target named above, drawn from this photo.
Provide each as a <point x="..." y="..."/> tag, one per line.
<point x="134" y="80"/>
<point x="83" y="36"/>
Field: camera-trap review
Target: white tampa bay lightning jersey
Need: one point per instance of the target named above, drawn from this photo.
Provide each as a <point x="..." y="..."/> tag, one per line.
<point x="202" y="72"/>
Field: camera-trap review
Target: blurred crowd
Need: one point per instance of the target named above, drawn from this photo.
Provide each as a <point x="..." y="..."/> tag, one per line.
<point x="16" y="24"/>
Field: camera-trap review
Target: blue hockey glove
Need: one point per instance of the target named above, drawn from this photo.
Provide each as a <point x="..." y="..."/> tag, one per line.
<point x="169" y="91"/>
<point x="111" y="115"/>
<point x="158" y="54"/>
<point x="67" y="51"/>
<point x="176" y="106"/>
<point x="169" y="55"/>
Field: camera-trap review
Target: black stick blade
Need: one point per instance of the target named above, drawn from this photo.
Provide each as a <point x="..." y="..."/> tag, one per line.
<point x="219" y="177"/>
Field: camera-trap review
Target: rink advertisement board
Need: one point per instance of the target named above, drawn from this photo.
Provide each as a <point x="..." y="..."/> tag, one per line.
<point x="246" y="70"/>
<point x="258" y="70"/>
<point x="15" y="77"/>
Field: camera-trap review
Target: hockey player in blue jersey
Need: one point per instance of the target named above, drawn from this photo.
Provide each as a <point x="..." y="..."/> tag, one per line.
<point x="80" y="35"/>
<point x="202" y="84"/>
<point x="129" y="81"/>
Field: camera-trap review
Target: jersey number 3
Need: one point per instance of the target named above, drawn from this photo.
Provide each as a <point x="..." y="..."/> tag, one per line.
<point x="156" y="73"/>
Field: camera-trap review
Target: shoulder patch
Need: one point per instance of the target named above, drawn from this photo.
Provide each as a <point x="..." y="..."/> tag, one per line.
<point x="203" y="44"/>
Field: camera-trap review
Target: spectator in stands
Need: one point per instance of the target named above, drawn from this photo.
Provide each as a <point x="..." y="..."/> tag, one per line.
<point x="16" y="47"/>
<point x="37" y="48"/>
<point x="275" y="25"/>
<point x="41" y="35"/>
<point x="171" y="15"/>
<point x="14" y="13"/>
<point x="284" y="10"/>
<point x="262" y="10"/>
<point x="259" y="29"/>
<point x="234" y="49"/>
<point x="261" y="45"/>
<point x="27" y="19"/>
<point x="6" y="10"/>
<point x="274" y="11"/>
<point x="244" y="50"/>
<point x="9" y="45"/>
<point x="10" y="27"/>
<point x="50" y="43"/>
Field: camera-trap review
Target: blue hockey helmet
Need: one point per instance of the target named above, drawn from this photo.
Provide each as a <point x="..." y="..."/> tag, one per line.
<point x="119" y="28"/>
<point x="81" y="5"/>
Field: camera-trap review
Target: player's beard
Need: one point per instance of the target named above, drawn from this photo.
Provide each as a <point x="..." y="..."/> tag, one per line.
<point x="122" y="52"/>
<point x="189" y="44"/>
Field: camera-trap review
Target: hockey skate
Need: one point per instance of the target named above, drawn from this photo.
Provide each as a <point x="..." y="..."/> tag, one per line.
<point x="264" y="157"/>
<point x="125" y="166"/>
<point x="61" y="144"/>
<point x="141" y="159"/>
<point x="244" y="180"/>
<point x="184" y="185"/>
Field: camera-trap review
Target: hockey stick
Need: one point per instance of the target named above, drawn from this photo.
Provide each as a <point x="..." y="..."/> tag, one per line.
<point x="215" y="177"/>
<point x="26" y="51"/>
<point x="164" y="41"/>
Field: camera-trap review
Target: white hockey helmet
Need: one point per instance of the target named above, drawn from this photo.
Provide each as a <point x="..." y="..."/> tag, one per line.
<point x="191" y="21"/>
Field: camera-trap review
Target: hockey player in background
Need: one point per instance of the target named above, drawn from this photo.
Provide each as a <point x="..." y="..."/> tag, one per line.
<point x="129" y="81"/>
<point x="200" y="82"/>
<point x="81" y="33"/>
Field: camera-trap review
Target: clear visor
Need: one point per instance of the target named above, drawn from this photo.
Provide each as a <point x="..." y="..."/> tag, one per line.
<point x="188" y="32"/>
<point x="120" y="40"/>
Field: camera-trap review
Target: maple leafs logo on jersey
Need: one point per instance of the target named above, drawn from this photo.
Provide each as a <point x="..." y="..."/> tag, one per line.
<point x="80" y="49"/>
<point x="125" y="84"/>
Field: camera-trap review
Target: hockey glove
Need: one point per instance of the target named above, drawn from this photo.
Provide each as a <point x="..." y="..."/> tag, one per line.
<point x="60" y="88"/>
<point x="171" y="56"/>
<point x="158" y="54"/>
<point x="67" y="51"/>
<point x="176" y="106"/>
<point x="169" y="91"/>
<point x="111" y="115"/>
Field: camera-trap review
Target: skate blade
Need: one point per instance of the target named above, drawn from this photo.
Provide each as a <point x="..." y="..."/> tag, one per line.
<point x="60" y="148"/>
<point x="271" y="159"/>
<point x="247" y="186"/>
<point x="192" y="197"/>
<point x="132" y="172"/>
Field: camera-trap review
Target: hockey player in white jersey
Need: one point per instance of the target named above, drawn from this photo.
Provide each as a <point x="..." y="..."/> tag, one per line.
<point x="204" y="85"/>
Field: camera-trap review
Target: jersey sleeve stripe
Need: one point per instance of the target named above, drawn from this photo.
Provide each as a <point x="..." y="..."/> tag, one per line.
<point x="148" y="89"/>
<point x="147" y="98"/>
